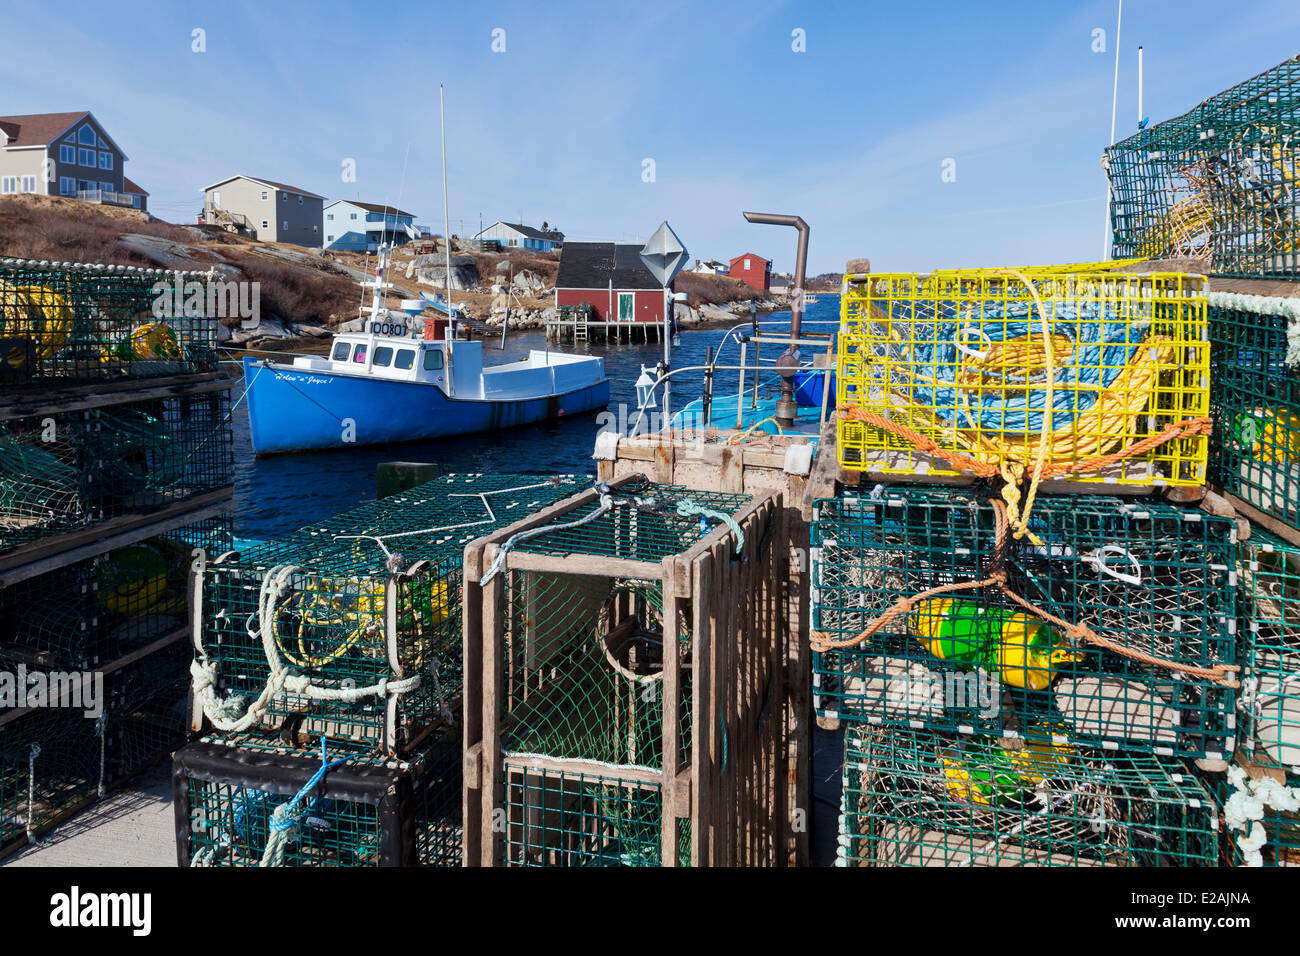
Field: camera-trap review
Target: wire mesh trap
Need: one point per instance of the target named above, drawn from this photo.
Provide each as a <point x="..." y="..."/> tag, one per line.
<point x="93" y="612"/>
<point x="1270" y="610"/>
<point x="917" y="799"/>
<point x="954" y="374"/>
<point x="351" y="627"/>
<point x="1218" y="182"/>
<point x="629" y="646"/>
<point x="1255" y="392"/>
<point x="64" y="471"/>
<point x="256" y="806"/>
<point x="1118" y="631"/>
<point x="71" y="323"/>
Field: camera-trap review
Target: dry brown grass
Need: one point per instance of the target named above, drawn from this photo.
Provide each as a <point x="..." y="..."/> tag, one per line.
<point x="715" y="290"/>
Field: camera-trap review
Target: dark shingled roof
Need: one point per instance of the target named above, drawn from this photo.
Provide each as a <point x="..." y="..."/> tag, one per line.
<point x="591" y="265"/>
<point x="130" y="187"/>
<point x="376" y="207"/>
<point x="527" y="231"/>
<point x="38" y="129"/>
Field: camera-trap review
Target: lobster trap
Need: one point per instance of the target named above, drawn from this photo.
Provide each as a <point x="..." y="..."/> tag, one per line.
<point x="917" y="799"/>
<point x="624" y="696"/>
<point x="72" y="323"/>
<point x="1270" y="608"/>
<point x="1113" y="621"/>
<point x="93" y="612"/>
<point x="56" y="758"/>
<point x="1255" y="392"/>
<point x="1219" y="182"/>
<point x="351" y="627"/>
<point x="235" y="800"/>
<point x="63" y="471"/>
<point x="1093" y="377"/>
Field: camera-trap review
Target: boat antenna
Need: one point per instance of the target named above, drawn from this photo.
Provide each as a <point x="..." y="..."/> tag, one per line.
<point x="446" y="216"/>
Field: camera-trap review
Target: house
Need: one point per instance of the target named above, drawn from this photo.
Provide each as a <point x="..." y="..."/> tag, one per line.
<point x="612" y="279"/>
<point x="781" y="283"/>
<point x="523" y="237"/>
<point x="753" y="270"/>
<point x="65" y="154"/>
<point x="351" y="224"/>
<point x="265" y="209"/>
<point x="710" y="267"/>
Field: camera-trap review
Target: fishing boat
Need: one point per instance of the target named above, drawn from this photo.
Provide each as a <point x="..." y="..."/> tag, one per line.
<point x="402" y="378"/>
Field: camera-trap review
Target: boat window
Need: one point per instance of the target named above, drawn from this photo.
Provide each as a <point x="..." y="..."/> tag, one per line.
<point x="383" y="355"/>
<point x="405" y="358"/>
<point x="360" y="354"/>
<point x="432" y="359"/>
<point x="341" y="351"/>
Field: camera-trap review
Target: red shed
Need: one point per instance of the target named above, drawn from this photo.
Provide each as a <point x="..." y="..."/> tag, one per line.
<point x="612" y="279"/>
<point x="753" y="270"/>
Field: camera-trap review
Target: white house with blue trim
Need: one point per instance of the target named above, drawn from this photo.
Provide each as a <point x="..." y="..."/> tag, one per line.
<point x="517" y="235"/>
<point x="351" y="224"/>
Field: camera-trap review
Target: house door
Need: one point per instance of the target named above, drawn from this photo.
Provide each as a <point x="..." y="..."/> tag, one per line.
<point x="627" y="306"/>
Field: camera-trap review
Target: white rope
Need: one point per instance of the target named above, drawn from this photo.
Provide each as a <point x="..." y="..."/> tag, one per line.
<point x="33" y="752"/>
<point x="1288" y="306"/>
<point x="234" y="714"/>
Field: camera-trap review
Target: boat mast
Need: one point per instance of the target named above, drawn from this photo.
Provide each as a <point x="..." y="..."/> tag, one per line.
<point x="446" y="216"/>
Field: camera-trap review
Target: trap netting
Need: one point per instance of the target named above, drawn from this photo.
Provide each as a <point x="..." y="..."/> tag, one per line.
<point x="1219" y="182"/>
<point x="259" y="807"/>
<point x="919" y="799"/>
<point x="638" y="634"/>
<point x="352" y="627"/>
<point x="1086" y="376"/>
<point x="71" y="323"/>
<point x="1255" y="391"/>
<point x="64" y="471"/>
<point x="1270" y="699"/>
<point x="55" y="757"/>
<point x="1118" y="627"/>
<point x="93" y="612"/>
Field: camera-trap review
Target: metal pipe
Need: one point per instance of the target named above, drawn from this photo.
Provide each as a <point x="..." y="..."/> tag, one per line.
<point x="786" y="409"/>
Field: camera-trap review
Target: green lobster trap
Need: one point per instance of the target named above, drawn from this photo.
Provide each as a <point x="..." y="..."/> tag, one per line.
<point x="95" y="611"/>
<point x="1112" y="620"/>
<point x="1255" y="392"/>
<point x="1221" y="182"/>
<point x="69" y="323"/>
<point x="1270" y="609"/>
<point x="351" y="627"/>
<point x="624" y="694"/>
<point x="63" y="471"/>
<point x="244" y="802"/>
<point x="55" y="759"/>
<point x="918" y="799"/>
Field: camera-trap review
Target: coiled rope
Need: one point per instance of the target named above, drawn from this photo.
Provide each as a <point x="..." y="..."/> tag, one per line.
<point x="1221" y="674"/>
<point x="286" y="819"/>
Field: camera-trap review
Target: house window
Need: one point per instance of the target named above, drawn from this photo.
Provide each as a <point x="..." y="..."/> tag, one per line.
<point x="136" y="199"/>
<point x="330" y="217"/>
<point x="67" y="186"/>
<point x="103" y="144"/>
<point x="107" y="187"/>
<point x="263" y="193"/>
<point x="353" y="216"/>
<point x="340" y="351"/>
<point x="265" y="224"/>
<point x="746" y="265"/>
<point x="384" y="356"/>
<point x="85" y="186"/>
<point x="405" y="358"/>
<point x="86" y="136"/>
<point x="432" y="359"/>
<point x="86" y="157"/>
<point x="284" y="225"/>
<point x="29" y="184"/>
<point x="70" y="138"/>
<point x="68" y="154"/>
<point x="8" y="184"/>
<point x="105" y="160"/>
<point x="329" y="238"/>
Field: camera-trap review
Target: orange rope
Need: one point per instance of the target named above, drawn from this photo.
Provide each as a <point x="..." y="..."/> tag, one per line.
<point x="1220" y="674"/>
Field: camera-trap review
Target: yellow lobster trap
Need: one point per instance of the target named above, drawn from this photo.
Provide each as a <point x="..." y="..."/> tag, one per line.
<point x="1033" y="374"/>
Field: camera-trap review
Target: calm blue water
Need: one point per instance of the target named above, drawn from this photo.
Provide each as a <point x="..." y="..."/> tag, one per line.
<point x="282" y="493"/>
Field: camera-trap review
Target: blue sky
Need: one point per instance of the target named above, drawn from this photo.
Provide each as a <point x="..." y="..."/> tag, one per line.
<point x="851" y="134"/>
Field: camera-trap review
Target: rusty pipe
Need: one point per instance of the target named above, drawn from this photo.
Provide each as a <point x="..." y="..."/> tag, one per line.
<point x="786" y="409"/>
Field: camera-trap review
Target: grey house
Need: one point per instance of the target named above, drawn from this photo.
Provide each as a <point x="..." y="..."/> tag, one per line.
<point x="65" y="154"/>
<point x="265" y="209"/>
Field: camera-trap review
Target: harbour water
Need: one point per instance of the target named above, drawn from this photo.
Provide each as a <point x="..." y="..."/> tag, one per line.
<point x="281" y="493"/>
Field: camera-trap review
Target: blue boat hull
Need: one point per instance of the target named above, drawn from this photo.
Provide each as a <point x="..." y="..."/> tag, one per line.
<point x="291" y="410"/>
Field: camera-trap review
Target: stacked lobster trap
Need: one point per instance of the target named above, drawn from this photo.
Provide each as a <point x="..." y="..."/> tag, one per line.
<point x="1026" y="644"/>
<point x="116" y="469"/>
<point x="327" y="681"/>
<point x="624" y="662"/>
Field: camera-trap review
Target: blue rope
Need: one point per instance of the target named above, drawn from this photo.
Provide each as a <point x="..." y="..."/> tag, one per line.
<point x="286" y="822"/>
<point x="1103" y="347"/>
<point x="723" y="724"/>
